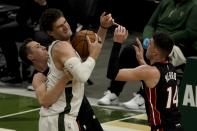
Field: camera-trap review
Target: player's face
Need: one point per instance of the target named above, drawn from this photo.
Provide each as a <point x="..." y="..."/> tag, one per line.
<point x="37" y="52"/>
<point x="61" y="30"/>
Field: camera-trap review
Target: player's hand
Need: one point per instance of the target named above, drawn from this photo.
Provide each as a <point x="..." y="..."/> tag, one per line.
<point x="94" y="47"/>
<point x="38" y="79"/>
<point x="106" y="21"/>
<point x="139" y="52"/>
<point x="120" y="34"/>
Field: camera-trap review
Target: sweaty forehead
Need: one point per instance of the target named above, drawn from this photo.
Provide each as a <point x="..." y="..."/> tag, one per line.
<point x="59" y="22"/>
<point x="32" y="45"/>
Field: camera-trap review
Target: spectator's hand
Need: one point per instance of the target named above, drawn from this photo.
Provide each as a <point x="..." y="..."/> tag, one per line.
<point x="106" y="21"/>
<point x="38" y="79"/>
<point x="146" y="42"/>
<point x="120" y="34"/>
<point x="139" y="52"/>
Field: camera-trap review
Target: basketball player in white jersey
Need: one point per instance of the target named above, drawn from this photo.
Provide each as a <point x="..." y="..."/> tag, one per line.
<point x="39" y="56"/>
<point x="62" y="114"/>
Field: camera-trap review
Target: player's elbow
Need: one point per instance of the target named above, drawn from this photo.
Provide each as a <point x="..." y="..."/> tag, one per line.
<point x="44" y="103"/>
<point x="117" y="78"/>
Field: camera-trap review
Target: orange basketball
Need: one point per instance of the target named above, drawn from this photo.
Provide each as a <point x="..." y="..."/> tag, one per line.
<point x="80" y="43"/>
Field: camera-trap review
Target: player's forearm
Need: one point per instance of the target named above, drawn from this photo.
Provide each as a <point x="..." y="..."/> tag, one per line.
<point x="102" y="32"/>
<point x="80" y="71"/>
<point x="95" y="53"/>
<point x="113" y="65"/>
<point x="48" y="97"/>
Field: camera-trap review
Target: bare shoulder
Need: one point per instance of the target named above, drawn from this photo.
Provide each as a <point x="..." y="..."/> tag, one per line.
<point x="63" y="50"/>
<point x="63" y="47"/>
<point x="153" y="69"/>
<point x="151" y="75"/>
<point x="149" y="70"/>
<point x="62" y="44"/>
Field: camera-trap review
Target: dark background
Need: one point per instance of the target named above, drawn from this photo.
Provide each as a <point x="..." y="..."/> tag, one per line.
<point x="133" y="14"/>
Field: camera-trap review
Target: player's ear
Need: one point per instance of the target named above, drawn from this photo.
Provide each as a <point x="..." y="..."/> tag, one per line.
<point x="50" y="33"/>
<point x="30" y="57"/>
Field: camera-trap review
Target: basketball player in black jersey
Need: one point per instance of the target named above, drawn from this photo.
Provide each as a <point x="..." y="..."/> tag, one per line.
<point x="159" y="79"/>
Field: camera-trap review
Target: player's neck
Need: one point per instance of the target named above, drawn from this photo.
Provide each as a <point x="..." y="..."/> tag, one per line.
<point x="157" y="59"/>
<point x="40" y="66"/>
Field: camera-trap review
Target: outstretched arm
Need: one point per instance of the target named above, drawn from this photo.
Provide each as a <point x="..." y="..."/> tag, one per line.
<point x="82" y="70"/>
<point x="149" y="74"/>
<point x="120" y="35"/>
<point x="139" y="52"/>
<point x="65" y="56"/>
<point x="106" y="21"/>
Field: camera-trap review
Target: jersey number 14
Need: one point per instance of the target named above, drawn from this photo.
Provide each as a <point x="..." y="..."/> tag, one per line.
<point x="172" y="98"/>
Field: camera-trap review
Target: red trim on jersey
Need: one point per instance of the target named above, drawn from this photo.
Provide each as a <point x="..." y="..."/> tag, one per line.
<point x="154" y="114"/>
<point x="164" y="62"/>
<point x="78" y="123"/>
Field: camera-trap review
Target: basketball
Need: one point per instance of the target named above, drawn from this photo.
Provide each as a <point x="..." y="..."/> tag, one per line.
<point x="80" y="43"/>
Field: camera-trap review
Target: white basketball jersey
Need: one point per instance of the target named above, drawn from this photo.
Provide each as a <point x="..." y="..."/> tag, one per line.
<point x="70" y="100"/>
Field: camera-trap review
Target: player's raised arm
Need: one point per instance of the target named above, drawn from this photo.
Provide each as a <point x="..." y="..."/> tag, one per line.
<point x="106" y="21"/>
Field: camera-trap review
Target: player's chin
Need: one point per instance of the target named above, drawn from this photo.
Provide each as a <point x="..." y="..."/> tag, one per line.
<point x="68" y="33"/>
<point x="66" y="37"/>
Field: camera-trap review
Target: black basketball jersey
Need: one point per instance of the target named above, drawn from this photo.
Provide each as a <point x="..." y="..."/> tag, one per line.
<point x="162" y="100"/>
